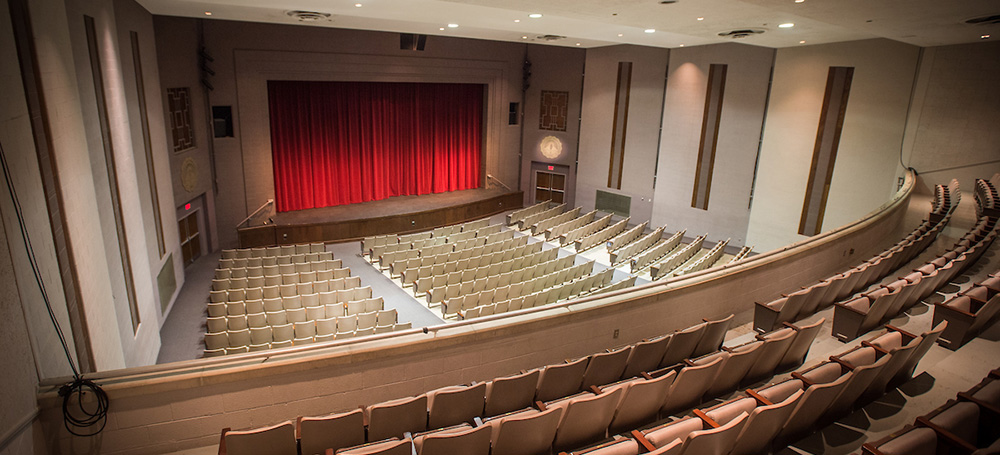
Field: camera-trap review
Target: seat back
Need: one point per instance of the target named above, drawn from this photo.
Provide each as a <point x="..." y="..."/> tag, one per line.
<point x="556" y="381"/>
<point x="395" y="417"/>
<point x="510" y="393"/>
<point x="715" y="333"/>
<point x="690" y="385"/>
<point x="682" y="344"/>
<point x="586" y="420"/>
<point x="776" y="344"/>
<point x="715" y="440"/>
<point x="641" y="401"/>
<point x="274" y="440"/>
<point x="454" y="405"/>
<point x="735" y="369"/>
<point x="531" y="434"/>
<point x="335" y="431"/>
<point x="466" y="441"/>
<point x="815" y="401"/>
<point x="393" y="446"/>
<point x="763" y="424"/>
<point x="606" y="367"/>
<point x="645" y="356"/>
<point x="799" y="348"/>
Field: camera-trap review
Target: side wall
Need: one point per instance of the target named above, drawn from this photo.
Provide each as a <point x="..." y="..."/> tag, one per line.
<point x="745" y="96"/>
<point x="870" y="141"/>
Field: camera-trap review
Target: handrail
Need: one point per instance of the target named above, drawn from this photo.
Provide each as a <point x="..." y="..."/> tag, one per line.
<point x="255" y="212"/>
<point x="48" y="388"/>
<point x="490" y="176"/>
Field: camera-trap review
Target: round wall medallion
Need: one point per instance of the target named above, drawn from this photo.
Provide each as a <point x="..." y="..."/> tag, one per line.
<point x="189" y="174"/>
<point x="551" y="147"/>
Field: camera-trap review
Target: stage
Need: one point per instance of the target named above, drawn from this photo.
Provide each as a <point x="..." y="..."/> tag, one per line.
<point x="397" y="215"/>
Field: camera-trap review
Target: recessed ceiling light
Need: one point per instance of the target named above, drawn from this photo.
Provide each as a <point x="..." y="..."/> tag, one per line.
<point x="452" y="25"/>
<point x="517" y="20"/>
<point x="577" y="44"/>
<point x="534" y="15"/>
<point x="621" y="34"/>
<point x="208" y="13"/>
<point x="701" y="18"/>
<point x="802" y="42"/>
<point x="799" y="1"/>
<point x="357" y="5"/>
<point x="682" y="45"/>
<point x="650" y="30"/>
<point x="786" y="25"/>
<point x="524" y="37"/>
<point x="984" y="37"/>
<point x="442" y="28"/>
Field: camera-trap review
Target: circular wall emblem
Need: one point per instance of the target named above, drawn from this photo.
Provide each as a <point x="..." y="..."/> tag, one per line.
<point x="189" y="174"/>
<point x="551" y="147"/>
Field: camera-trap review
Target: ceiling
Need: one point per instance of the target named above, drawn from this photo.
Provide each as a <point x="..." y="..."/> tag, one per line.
<point x="593" y="23"/>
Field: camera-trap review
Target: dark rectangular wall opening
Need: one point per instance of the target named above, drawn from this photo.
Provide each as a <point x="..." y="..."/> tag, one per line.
<point x="709" y="136"/>
<point x="620" y="126"/>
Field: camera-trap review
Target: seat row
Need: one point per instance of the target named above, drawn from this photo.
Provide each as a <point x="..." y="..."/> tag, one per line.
<point x="278" y="270"/>
<point x="255" y="339"/>
<point x="386" y="255"/>
<point x="374" y="249"/>
<point x="272" y="251"/>
<point x="555" y="227"/>
<point x="530" y="220"/>
<point x="968" y="424"/>
<point x="969" y="312"/>
<point x="497" y="275"/>
<point x="586" y="230"/>
<point x="625" y="251"/>
<point x="602" y="236"/>
<point x="705" y="261"/>
<point x="872" y="308"/>
<point x="810" y="299"/>
<point x="323" y="319"/>
<point x="530" y="257"/>
<point x="627" y="237"/>
<point x="344" y="282"/>
<point x="344" y="296"/>
<point x="654" y="252"/>
<point x="428" y="267"/>
<point x="303" y="258"/>
<point x="461" y="405"/>
<point x="781" y="412"/>
<point x="520" y="214"/>
<point x="479" y="304"/>
<point x="551" y="281"/>
<point x="664" y="267"/>
<point x="288" y="279"/>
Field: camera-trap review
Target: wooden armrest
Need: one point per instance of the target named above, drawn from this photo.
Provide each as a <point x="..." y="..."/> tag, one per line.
<point x="594" y="390"/>
<point x="704" y="417"/>
<point x="364" y="416"/>
<point x="540" y="406"/>
<point x="995" y="374"/>
<point x="945" y="433"/>
<point x="790" y="325"/>
<point x="966" y="396"/>
<point x="868" y="344"/>
<point x="641" y="439"/>
<point x="646" y="376"/>
<point x="843" y="363"/>
<point x="222" y="440"/>
<point x="870" y="449"/>
<point x="328" y="451"/>
<point x="298" y="427"/>
<point x="897" y="329"/>
<point x="726" y="348"/>
<point x="763" y="401"/>
<point x="804" y="379"/>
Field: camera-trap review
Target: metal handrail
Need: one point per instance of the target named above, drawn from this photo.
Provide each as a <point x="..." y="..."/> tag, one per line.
<point x="270" y="202"/>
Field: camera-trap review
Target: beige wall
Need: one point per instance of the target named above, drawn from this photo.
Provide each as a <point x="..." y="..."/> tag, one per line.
<point x="557" y="69"/>
<point x="747" y="77"/>
<point x="952" y="130"/>
<point x="649" y="67"/>
<point x="869" y="143"/>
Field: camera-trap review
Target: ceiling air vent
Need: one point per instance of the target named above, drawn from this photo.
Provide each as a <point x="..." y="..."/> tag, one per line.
<point x="308" y="16"/>
<point x="550" y="37"/>
<point x="984" y="20"/>
<point x="741" y="33"/>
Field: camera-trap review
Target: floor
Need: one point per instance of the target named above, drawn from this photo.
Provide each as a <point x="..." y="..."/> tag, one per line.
<point x="939" y="376"/>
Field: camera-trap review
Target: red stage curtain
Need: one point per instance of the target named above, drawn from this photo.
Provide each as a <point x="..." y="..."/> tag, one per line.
<point x="339" y="143"/>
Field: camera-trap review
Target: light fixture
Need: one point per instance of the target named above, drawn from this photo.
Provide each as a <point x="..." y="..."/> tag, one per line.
<point x="534" y="15"/>
<point x="650" y="30"/>
<point x="701" y="18"/>
<point x="799" y="1"/>
<point x="517" y="20"/>
<point x="524" y="37"/>
<point x="357" y="5"/>
<point x="984" y="37"/>
<point x="577" y="44"/>
<point x="621" y="34"/>
<point x="441" y="28"/>
<point x="786" y="25"/>
<point x="452" y="25"/>
<point x="208" y="13"/>
<point x="802" y="42"/>
<point x="682" y="45"/>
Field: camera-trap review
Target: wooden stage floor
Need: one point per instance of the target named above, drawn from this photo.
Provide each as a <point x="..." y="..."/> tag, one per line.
<point x="400" y="214"/>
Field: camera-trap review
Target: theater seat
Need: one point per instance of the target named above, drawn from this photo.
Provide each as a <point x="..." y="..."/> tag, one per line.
<point x="393" y="418"/>
<point x="335" y="431"/>
<point x="641" y="401"/>
<point x="462" y="439"/>
<point x="388" y="447"/>
<point x="274" y="440"/>
<point x="528" y="433"/>
<point x="586" y="419"/>
<point x="454" y="405"/>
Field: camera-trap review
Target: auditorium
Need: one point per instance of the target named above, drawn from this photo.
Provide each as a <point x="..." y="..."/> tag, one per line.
<point x="415" y="226"/>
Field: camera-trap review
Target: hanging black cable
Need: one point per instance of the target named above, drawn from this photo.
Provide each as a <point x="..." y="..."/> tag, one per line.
<point x="80" y="411"/>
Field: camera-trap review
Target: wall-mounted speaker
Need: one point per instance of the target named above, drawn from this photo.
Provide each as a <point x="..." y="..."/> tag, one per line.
<point x="412" y="41"/>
